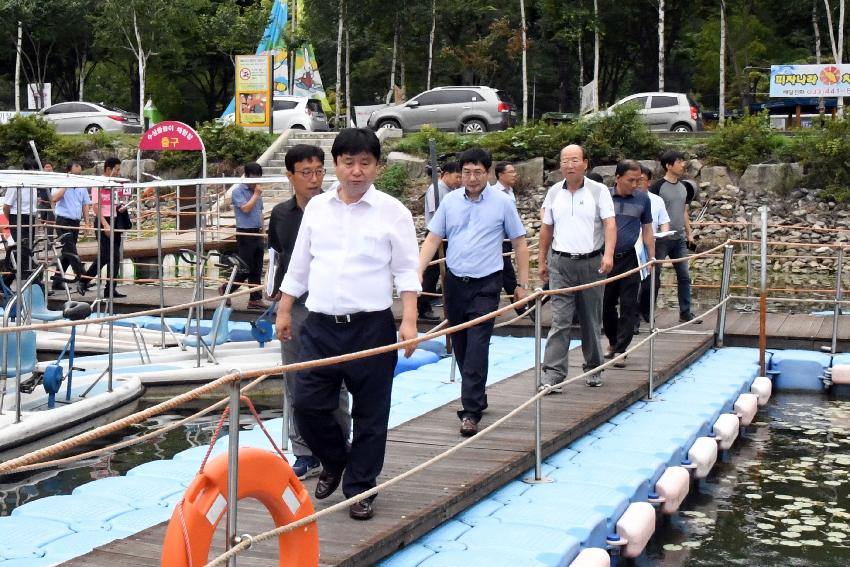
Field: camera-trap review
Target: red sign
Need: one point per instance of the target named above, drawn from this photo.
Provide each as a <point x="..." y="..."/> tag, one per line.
<point x="171" y="136"/>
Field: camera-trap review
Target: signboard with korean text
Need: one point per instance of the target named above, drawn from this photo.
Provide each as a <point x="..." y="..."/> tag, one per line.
<point x="171" y="136"/>
<point x="253" y="90"/>
<point x="827" y="80"/>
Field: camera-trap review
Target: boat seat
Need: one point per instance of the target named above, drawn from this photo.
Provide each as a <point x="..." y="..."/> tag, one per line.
<point x="220" y="327"/>
<point x="39" y="306"/>
<point x="28" y="356"/>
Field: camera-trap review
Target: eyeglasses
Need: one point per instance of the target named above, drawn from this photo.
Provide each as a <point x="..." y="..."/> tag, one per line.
<point x="308" y="173"/>
<point x="473" y="172"/>
<point x="571" y="161"/>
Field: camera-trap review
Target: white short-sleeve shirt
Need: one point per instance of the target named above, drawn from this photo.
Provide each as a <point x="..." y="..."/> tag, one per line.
<point x="577" y="216"/>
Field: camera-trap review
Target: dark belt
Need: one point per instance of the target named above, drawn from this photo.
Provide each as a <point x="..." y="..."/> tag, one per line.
<point x="577" y="256"/>
<point x="618" y="255"/>
<point x="60" y="217"/>
<point x="344" y="319"/>
<point x="469" y="279"/>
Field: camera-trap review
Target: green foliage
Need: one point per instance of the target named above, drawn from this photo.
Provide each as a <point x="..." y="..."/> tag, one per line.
<point x="228" y="144"/>
<point x="16" y="134"/>
<point x="606" y="139"/>
<point x="746" y="141"/>
<point x="825" y="154"/>
<point x="393" y="180"/>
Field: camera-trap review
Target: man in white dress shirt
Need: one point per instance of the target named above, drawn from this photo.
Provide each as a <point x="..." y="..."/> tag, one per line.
<point x="354" y="243"/>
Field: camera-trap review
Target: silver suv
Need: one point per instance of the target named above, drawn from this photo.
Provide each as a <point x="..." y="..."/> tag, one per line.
<point x="665" y="112"/>
<point x="465" y="109"/>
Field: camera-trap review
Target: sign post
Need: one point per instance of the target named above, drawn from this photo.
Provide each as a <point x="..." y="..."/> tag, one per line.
<point x="176" y="136"/>
<point x="253" y="90"/>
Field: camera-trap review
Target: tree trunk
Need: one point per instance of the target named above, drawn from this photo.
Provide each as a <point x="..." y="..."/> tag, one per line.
<point x="402" y="80"/>
<point x="580" y="68"/>
<point x="837" y="48"/>
<point x="395" y="58"/>
<point x="431" y="43"/>
<point x="339" y="62"/>
<point x="143" y="61"/>
<point x="817" y="31"/>
<point x="661" y="45"/>
<point x="596" y="56"/>
<point x="721" y="104"/>
<point x="18" y="69"/>
<point x="83" y="61"/>
<point x="524" y="63"/>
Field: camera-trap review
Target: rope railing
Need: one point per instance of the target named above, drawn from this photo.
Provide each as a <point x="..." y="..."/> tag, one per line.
<point x="247" y="542"/>
<point x="138" y="417"/>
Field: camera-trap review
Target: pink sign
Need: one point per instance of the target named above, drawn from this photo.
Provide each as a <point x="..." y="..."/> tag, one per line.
<point x="171" y="136"/>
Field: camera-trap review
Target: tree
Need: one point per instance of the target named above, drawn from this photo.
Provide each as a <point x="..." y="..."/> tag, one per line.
<point x="661" y="45"/>
<point x="837" y="47"/>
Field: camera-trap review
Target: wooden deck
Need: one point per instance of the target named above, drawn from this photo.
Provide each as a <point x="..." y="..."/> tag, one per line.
<point x="171" y="244"/>
<point x="412" y="508"/>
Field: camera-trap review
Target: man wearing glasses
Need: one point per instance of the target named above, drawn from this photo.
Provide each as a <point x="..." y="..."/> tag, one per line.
<point x="305" y="170"/>
<point x="580" y="230"/>
<point x="475" y="220"/>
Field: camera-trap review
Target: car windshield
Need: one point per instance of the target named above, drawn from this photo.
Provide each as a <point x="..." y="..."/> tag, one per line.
<point x="505" y="97"/>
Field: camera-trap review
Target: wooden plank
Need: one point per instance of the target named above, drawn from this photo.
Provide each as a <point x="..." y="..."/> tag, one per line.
<point x="411" y="508"/>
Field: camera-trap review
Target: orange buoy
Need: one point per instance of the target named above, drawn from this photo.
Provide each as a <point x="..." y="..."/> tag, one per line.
<point x="262" y="475"/>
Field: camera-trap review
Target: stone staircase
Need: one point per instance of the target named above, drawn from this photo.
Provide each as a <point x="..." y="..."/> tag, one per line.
<point x="273" y="165"/>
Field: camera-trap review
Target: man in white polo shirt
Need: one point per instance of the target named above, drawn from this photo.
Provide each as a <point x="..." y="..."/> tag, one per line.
<point x="580" y="230"/>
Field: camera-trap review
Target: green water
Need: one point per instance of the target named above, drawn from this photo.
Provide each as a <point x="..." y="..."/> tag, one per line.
<point x="18" y="489"/>
<point x="781" y="497"/>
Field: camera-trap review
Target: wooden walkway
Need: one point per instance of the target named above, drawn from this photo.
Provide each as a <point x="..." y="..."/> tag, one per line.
<point x="412" y="508"/>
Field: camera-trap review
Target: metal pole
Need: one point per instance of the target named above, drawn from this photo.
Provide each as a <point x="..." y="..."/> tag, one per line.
<point x="652" y="284"/>
<point x="233" y="464"/>
<point x="749" y="246"/>
<point x="763" y="293"/>
<point x="538" y="477"/>
<point x="160" y="269"/>
<point x="112" y="269"/>
<point x="836" y="310"/>
<point x="724" y="293"/>
<point x="20" y="304"/>
<point x="286" y="415"/>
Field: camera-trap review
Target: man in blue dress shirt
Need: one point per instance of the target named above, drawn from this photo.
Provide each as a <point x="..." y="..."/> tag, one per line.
<point x="475" y="220"/>
<point x="72" y="207"/>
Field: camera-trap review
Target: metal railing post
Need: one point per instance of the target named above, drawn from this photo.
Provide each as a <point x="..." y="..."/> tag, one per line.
<point x="160" y="269"/>
<point x="749" y="247"/>
<point x="836" y="310"/>
<point x="724" y="293"/>
<point x="652" y="286"/>
<point x="233" y="464"/>
<point x="763" y="292"/>
<point x="538" y="382"/>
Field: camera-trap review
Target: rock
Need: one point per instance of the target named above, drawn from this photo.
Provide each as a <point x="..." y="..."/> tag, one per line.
<point x="716" y="176"/>
<point x="414" y="166"/>
<point x="553" y="177"/>
<point x="770" y="176"/>
<point x="607" y="173"/>
<point x="529" y="173"/>
<point x="653" y="165"/>
<point x="692" y="168"/>
<point x="128" y="168"/>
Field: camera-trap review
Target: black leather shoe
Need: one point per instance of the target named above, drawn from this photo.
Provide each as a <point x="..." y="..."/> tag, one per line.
<point x="116" y="293"/>
<point x="362" y="510"/>
<point x="468" y="427"/>
<point x="328" y="483"/>
<point x="428" y="316"/>
<point x="82" y="288"/>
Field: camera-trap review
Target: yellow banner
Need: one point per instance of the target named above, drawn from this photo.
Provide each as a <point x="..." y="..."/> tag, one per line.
<point x="253" y="90"/>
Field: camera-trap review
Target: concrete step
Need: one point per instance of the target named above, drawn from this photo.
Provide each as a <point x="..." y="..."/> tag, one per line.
<point x="325" y="135"/>
<point x="278" y="161"/>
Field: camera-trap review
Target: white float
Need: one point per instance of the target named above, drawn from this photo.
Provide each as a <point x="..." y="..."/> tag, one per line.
<point x="672" y="488"/>
<point x="841" y="374"/>
<point x="746" y="407"/>
<point x="763" y="388"/>
<point x="635" y="527"/>
<point x="703" y="455"/>
<point x="592" y="557"/>
<point x="726" y="430"/>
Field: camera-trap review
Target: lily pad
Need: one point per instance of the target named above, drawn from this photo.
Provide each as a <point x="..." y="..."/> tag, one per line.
<point x="672" y="547"/>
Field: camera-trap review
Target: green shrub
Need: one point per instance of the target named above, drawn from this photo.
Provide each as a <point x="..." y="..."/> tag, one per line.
<point x="746" y="141"/>
<point x="606" y="139"/>
<point x="16" y="134"/>
<point x="230" y="145"/>
<point x="393" y="180"/>
<point x="825" y="154"/>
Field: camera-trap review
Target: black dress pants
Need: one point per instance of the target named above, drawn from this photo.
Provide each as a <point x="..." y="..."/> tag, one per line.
<point x="368" y="380"/>
<point x="620" y="323"/>
<point x="103" y="253"/>
<point x="250" y="250"/>
<point x="25" y="239"/>
<point x="468" y="299"/>
<point x="69" y="248"/>
<point x="508" y="273"/>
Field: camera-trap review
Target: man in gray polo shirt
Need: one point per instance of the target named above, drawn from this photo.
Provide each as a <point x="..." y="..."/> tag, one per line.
<point x="579" y="228"/>
<point x="676" y="196"/>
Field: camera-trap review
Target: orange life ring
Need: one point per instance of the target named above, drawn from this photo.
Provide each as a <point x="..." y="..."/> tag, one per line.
<point x="262" y="475"/>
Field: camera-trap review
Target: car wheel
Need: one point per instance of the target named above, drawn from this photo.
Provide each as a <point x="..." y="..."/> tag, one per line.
<point x="92" y="129"/>
<point x="297" y="127"/>
<point x="474" y="127"/>
<point x="681" y="128"/>
<point x="389" y="125"/>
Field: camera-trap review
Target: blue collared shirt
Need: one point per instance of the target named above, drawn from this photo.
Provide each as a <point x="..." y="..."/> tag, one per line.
<point x="71" y="204"/>
<point x="241" y="195"/>
<point x="475" y="230"/>
<point x="632" y="213"/>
